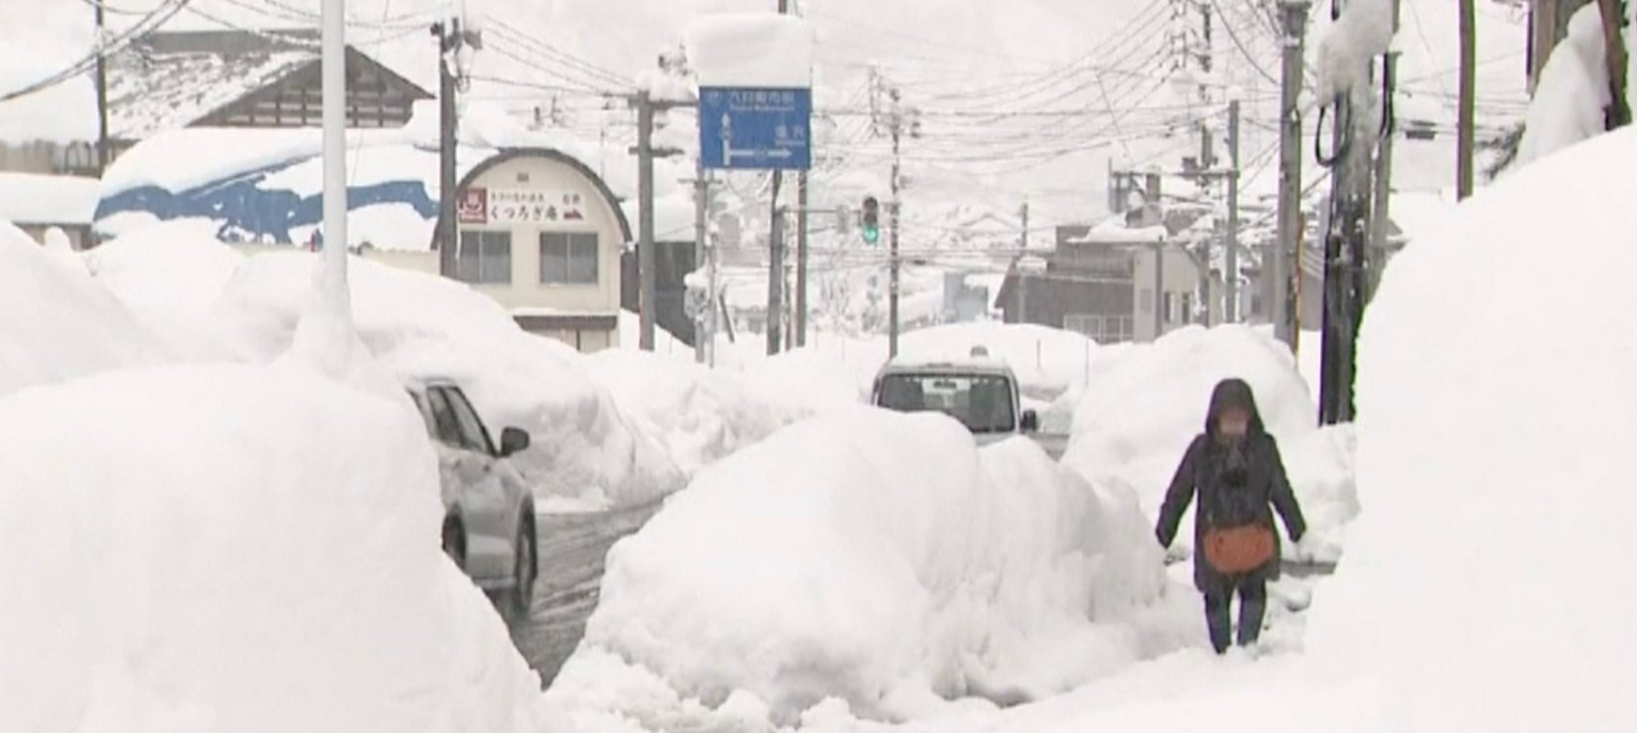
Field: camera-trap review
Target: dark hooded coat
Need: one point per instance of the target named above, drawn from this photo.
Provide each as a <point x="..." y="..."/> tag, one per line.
<point x="1234" y="488"/>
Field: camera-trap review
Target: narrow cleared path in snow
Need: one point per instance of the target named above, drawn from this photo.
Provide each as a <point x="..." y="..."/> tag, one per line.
<point x="573" y="548"/>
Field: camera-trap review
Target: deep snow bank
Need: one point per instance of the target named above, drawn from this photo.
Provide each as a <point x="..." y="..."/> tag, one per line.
<point x="877" y="559"/>
<point x="1145" y="402"/>
<point x="699" y="416"/>
<point x="235" y="548"/>
<point x="1488" y="583"/>
<point x="56" y="322"/>
<point x="202" y="294"/>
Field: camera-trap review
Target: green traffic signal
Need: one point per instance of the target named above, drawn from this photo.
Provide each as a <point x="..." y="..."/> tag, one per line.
<point x="872" y="234"/>
<point x="870" y="220"/>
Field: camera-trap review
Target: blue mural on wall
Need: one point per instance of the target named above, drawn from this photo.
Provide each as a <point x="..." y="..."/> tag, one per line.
<point x="248" y="213"/>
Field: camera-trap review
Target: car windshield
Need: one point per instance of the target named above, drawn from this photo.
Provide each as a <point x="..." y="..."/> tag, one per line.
<point x="982" y="403"/>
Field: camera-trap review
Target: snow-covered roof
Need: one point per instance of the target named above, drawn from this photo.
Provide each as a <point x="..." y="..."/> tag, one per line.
<point x="171" y="80"/>
<point x="1114" y="231"/>
<point x="29" y="198"/>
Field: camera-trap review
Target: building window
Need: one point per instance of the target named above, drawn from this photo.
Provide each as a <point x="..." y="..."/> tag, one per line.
<point x="1118" y="329"/>
<point x="485" y="257"/>
<point x="1169" y="308"/>
<point x="1187" y="308"/>
<point x="568" y="258"/>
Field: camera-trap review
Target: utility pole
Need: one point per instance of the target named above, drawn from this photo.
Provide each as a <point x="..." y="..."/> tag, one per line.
<point x="1284" y="268"/>
<point x="645" y="221"/>
<point x="1614" y="55"/>
<point x="1384" y="163"/>
<point x="892" y="223"/>
<point x="1469" y="73"/>
<point x="448" y="35"/>
<point x="1230" y="313"/>
<point x="102" y="93"/>
<point x="801" y="259"/>
<point x="775" y="272"/>
<point x="704" y="338"/>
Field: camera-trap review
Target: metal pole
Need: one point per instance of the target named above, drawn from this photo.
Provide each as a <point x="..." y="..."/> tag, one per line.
<point x="1159" y="290"/>
<point x="1290" y="173"/>
<point x="775" y="272"/>
<point x="892" y="256"/>
<point x="1469" y="73"/>
<point x="801" y="259"/>
<point x="645" y="221"/>
<point x="102" y="95"/>
<point x="333" y="70"/>
<point x="1230" y="313"/>
<point x="448" y="238"/>
<point x="702" y="336"/>
<point x="1615" y="58"/>
<point x="716" y="304"/>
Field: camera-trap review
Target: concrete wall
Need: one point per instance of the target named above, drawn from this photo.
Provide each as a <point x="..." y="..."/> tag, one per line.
<point x="1181" y="281"/>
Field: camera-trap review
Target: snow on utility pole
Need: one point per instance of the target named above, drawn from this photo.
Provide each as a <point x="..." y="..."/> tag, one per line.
<point x="1284" y="267"/>
<point x="1359" y="35"/>
<point x="1469" y="73"/>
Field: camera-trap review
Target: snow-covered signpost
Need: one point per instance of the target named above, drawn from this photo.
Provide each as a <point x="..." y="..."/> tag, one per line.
<point x="755" y="110"/>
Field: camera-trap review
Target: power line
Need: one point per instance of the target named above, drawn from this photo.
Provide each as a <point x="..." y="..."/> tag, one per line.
<point x="105" y="47"/>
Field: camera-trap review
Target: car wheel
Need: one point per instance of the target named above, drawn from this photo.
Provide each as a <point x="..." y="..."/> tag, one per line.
<point x="454" y="542"/>
<point x="524" y="571"/>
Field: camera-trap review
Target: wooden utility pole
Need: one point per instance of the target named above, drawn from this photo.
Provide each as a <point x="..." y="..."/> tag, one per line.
<point x="448" y="35"/>
<point x="1230" y="311"/>
<point x="1294" y="15"/>
<point x="648" y="291"/>
<point x="102" y="93"/>
<point x="1384" y="165"/>
<point x="1469" y="71"/>
<point x="1614" y="54"/>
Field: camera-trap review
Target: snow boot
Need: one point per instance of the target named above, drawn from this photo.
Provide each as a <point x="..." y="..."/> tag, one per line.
<point x="1253" y="606"/>
<point x="1218" y="622"/>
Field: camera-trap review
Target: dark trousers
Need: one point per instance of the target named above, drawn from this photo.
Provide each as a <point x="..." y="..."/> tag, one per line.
<point x="1253" y="604"/>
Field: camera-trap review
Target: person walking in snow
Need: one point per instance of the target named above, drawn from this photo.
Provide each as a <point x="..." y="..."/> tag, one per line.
<point x="1235" y="470"/>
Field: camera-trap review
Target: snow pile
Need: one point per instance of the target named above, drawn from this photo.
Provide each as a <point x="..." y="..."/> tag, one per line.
<point x="40" y="199"/>
<point x="1146" y="402"/>
<point x="1363" y="32"/>
<point x="424" y="326"/>
<point x="699" y="416"/>
<point x="217" y="304"/>
<point x="1573" y="92"/>
<point x="57" y="323"/>
<point x="236" y="548"/>
<point x="875" y="563"/>
<point x="65" y="112"/>
<point x="1495" y="542"/>
<point x="752" y="50"/>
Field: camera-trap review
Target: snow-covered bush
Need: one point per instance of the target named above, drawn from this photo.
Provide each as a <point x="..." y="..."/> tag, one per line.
<point x="880" y="562"/>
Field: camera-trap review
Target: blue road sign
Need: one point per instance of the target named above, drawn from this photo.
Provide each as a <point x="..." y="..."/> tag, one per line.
<point x="756" y="129"/>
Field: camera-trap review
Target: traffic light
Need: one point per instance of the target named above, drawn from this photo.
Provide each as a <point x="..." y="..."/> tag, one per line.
<point x="869" y="220"/>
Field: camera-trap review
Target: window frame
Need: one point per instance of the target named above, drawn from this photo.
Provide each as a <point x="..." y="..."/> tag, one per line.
<point x="571" y="241"/>
<point x="474" y="436"/>
<point x="480" y="270"/>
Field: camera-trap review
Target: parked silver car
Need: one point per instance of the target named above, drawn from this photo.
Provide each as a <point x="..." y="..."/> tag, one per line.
<point x="488" y="525"/>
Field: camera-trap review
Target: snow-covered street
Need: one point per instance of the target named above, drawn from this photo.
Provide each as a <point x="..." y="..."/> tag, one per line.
<point x="816" y="366"/>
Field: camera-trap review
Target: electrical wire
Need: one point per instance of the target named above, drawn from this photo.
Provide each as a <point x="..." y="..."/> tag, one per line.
<point x="105" y="47"/>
